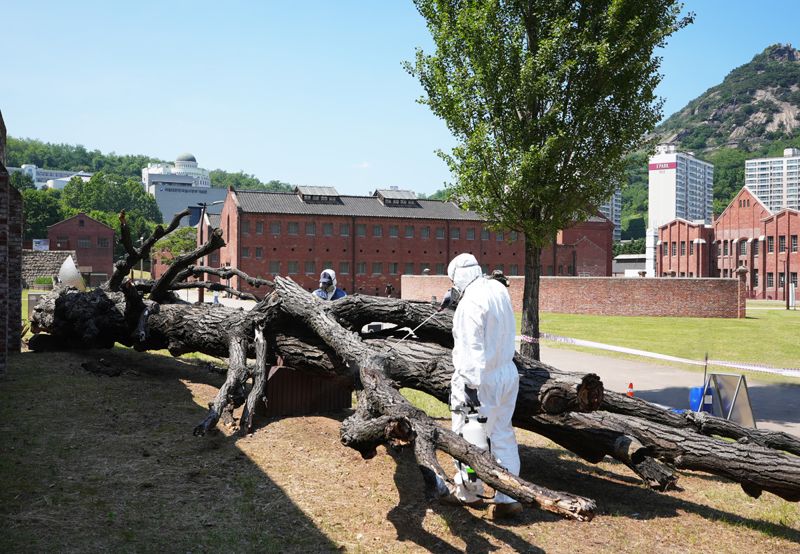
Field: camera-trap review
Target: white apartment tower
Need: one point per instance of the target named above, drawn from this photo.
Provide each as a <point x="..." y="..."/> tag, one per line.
<point x="613" y="211"/>
<point x="679" y="185"/>
<point x="775" y="181"/>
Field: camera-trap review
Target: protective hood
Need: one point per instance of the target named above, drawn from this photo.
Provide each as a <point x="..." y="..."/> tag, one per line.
<point x="327" y="280"/>
<point x="463" y="270"/>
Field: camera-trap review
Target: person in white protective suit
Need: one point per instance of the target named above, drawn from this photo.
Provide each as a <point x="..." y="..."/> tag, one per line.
<point x="485" y="375"/>
<point x="327" y="286"/>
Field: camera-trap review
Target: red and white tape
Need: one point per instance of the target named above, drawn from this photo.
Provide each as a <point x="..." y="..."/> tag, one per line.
<point x="788" y="372"/>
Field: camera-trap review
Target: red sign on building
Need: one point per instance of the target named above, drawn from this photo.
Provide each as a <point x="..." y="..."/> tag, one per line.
<point x="662" y="165"/>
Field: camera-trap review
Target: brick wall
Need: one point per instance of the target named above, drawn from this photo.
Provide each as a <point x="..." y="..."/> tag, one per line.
<point x="610" y="295"/>
<point x="10" y="268"/>
<point x="43" y="263"/>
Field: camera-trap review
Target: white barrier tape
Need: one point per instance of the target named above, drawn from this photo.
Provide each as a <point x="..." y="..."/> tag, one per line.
<point x="789" y="372"/>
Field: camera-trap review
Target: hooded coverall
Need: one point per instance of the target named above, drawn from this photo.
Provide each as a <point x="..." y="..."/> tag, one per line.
<point x="327" y="286"/>
<point x="484" y="330"/>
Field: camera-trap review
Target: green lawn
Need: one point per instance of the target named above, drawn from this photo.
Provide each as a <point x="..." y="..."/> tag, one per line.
<point x="770" y="337"/>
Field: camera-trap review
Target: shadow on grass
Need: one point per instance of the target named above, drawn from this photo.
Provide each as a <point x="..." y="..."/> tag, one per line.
<point x="92" y="463"/>
<point x="624" y="495"/>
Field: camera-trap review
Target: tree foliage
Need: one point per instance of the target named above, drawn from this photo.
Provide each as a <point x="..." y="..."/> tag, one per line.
<point x="40" y="209"/>
<point x="21" y="181"/>
<point x="545" y="98"/>
<point x="178" y="242"/>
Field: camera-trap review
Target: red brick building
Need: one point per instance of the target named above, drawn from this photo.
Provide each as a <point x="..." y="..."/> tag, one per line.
<point x="685" y="250"/>
<point x="92" y="240"/>
<point x="370" y="241"/>
<point x="745" y="235"/>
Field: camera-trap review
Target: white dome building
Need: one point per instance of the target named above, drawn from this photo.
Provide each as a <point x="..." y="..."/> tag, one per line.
<point x="185" y="164"/>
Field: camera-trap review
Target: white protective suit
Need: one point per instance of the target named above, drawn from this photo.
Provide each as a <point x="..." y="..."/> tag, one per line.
<point x="484" y="330"/>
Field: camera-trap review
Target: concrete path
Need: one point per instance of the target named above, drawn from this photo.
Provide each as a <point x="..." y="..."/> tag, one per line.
<point x="776" y="406"/>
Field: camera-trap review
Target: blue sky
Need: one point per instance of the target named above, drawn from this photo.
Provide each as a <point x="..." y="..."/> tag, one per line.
<point x="306" y="92"/>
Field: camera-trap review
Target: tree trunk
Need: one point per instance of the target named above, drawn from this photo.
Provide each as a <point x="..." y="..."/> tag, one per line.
<point x="530" y="301"/>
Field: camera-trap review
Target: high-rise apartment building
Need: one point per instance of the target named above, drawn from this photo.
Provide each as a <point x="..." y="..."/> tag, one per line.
<point x="613" y="211"/>
<point x="679" y="186"/>
<point x="775" y="181"/>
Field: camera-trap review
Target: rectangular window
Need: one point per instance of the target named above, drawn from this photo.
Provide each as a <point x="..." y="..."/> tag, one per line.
<point x="102" y="242"/>
<point x="499" y="236"/>
<point x="484" y="234"/>
<point x="81" y="223"/>
<point x="513" y="235"/>
<point x="84" y="242"/>
<point x="754" y="278"/>
<point x="782" y="243"/>
<point x="245" y="227"/>
<point x="361" y="268"/>
<point x="455" y="233"/>
<point x="293" y="228"/>
<point x="683" y="248"/>
<point x="755" y="247"/>
<point x="513" y="269"/>
<point x="393" y="267"/>
<point x="440" y="232"/>
<point x="259" y="227"/>
<point x="691" y="248"/>
<point x="344" y="268"/>
<point x="327" y="229"/>
<point x="311" y="229"/>
<point x="409" y="268"/>
<point x="310" y="267"/>
<point x="275" y="227"/>
<point x="664" y="248"/>
<point x="794" y="243"/>
<point x="361" y="230"/>
<point x="770" y="245"/>
<point x="275" y="267"/>
<point x="793" y="278"/>
<point x="725" y="248"/>
<point x="327" y="265"/>
<point x="377" y="268"/>
<point x="259" y="252"/>
<point x="425" y="232"/>
<point x="214" y="259"/>
<point x="245" y="252"/>
<point x="344" y="230"/>
<point x="781" y="279"/>
<point x="549" y="270"/>
<point x="377" y="231"/>
<point x="423" y="266"/>
<point x="440" y="270"/>
<point x="675" y="248"/>
<point x="394" y="231"/>
<point x="471" y="233"/>
<point x="409" y="231"/>
<point x="293" y="267"/>
<point x="743" y="248"/>
<point x="770" y="280"/>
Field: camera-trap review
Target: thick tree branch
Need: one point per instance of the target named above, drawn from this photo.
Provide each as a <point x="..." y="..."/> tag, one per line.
<point x="181" y="262"/>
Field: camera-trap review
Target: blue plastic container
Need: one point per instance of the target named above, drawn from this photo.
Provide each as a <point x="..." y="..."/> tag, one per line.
<point x="696" y="399"/>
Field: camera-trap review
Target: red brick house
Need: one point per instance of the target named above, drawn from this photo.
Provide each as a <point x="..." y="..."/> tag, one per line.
<point x="92" y="240"/>
<point x="745" y="235"/>
<point x="370" y="241"/>
<point x="685" y="250"/>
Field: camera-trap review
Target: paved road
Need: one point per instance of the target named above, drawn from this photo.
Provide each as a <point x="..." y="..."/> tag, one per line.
<point x="776" y="406"/>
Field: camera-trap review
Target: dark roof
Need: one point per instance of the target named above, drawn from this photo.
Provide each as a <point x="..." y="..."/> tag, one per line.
<point x="214" y="219"/>
<point x="364" y="206"/>
<point x="186" y="157"/>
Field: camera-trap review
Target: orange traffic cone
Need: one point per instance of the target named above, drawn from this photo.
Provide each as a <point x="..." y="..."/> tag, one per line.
<point x="630" y="390"/>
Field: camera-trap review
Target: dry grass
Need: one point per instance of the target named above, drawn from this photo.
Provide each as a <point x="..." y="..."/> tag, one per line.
<point x="109" y="464"/>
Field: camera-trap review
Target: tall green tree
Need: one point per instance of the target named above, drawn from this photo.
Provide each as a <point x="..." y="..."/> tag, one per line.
<point x="545" y="97"/>
<point x="21" y="181"/>
<point x="40" y="209"/>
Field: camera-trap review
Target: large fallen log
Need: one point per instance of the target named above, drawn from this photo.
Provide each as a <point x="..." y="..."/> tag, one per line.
<point x="397" y="416"/>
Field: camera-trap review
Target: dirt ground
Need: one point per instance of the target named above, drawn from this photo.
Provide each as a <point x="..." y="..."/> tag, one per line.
<point x="97" y="463"/>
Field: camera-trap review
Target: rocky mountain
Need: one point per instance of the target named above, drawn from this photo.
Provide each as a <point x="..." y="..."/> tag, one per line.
<point x="756" y="104"/>
<point x="754" y="112"/>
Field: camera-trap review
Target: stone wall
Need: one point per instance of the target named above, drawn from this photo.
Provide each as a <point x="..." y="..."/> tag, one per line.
<point x="43" y="263"/>
<point x="636" y="296"/>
